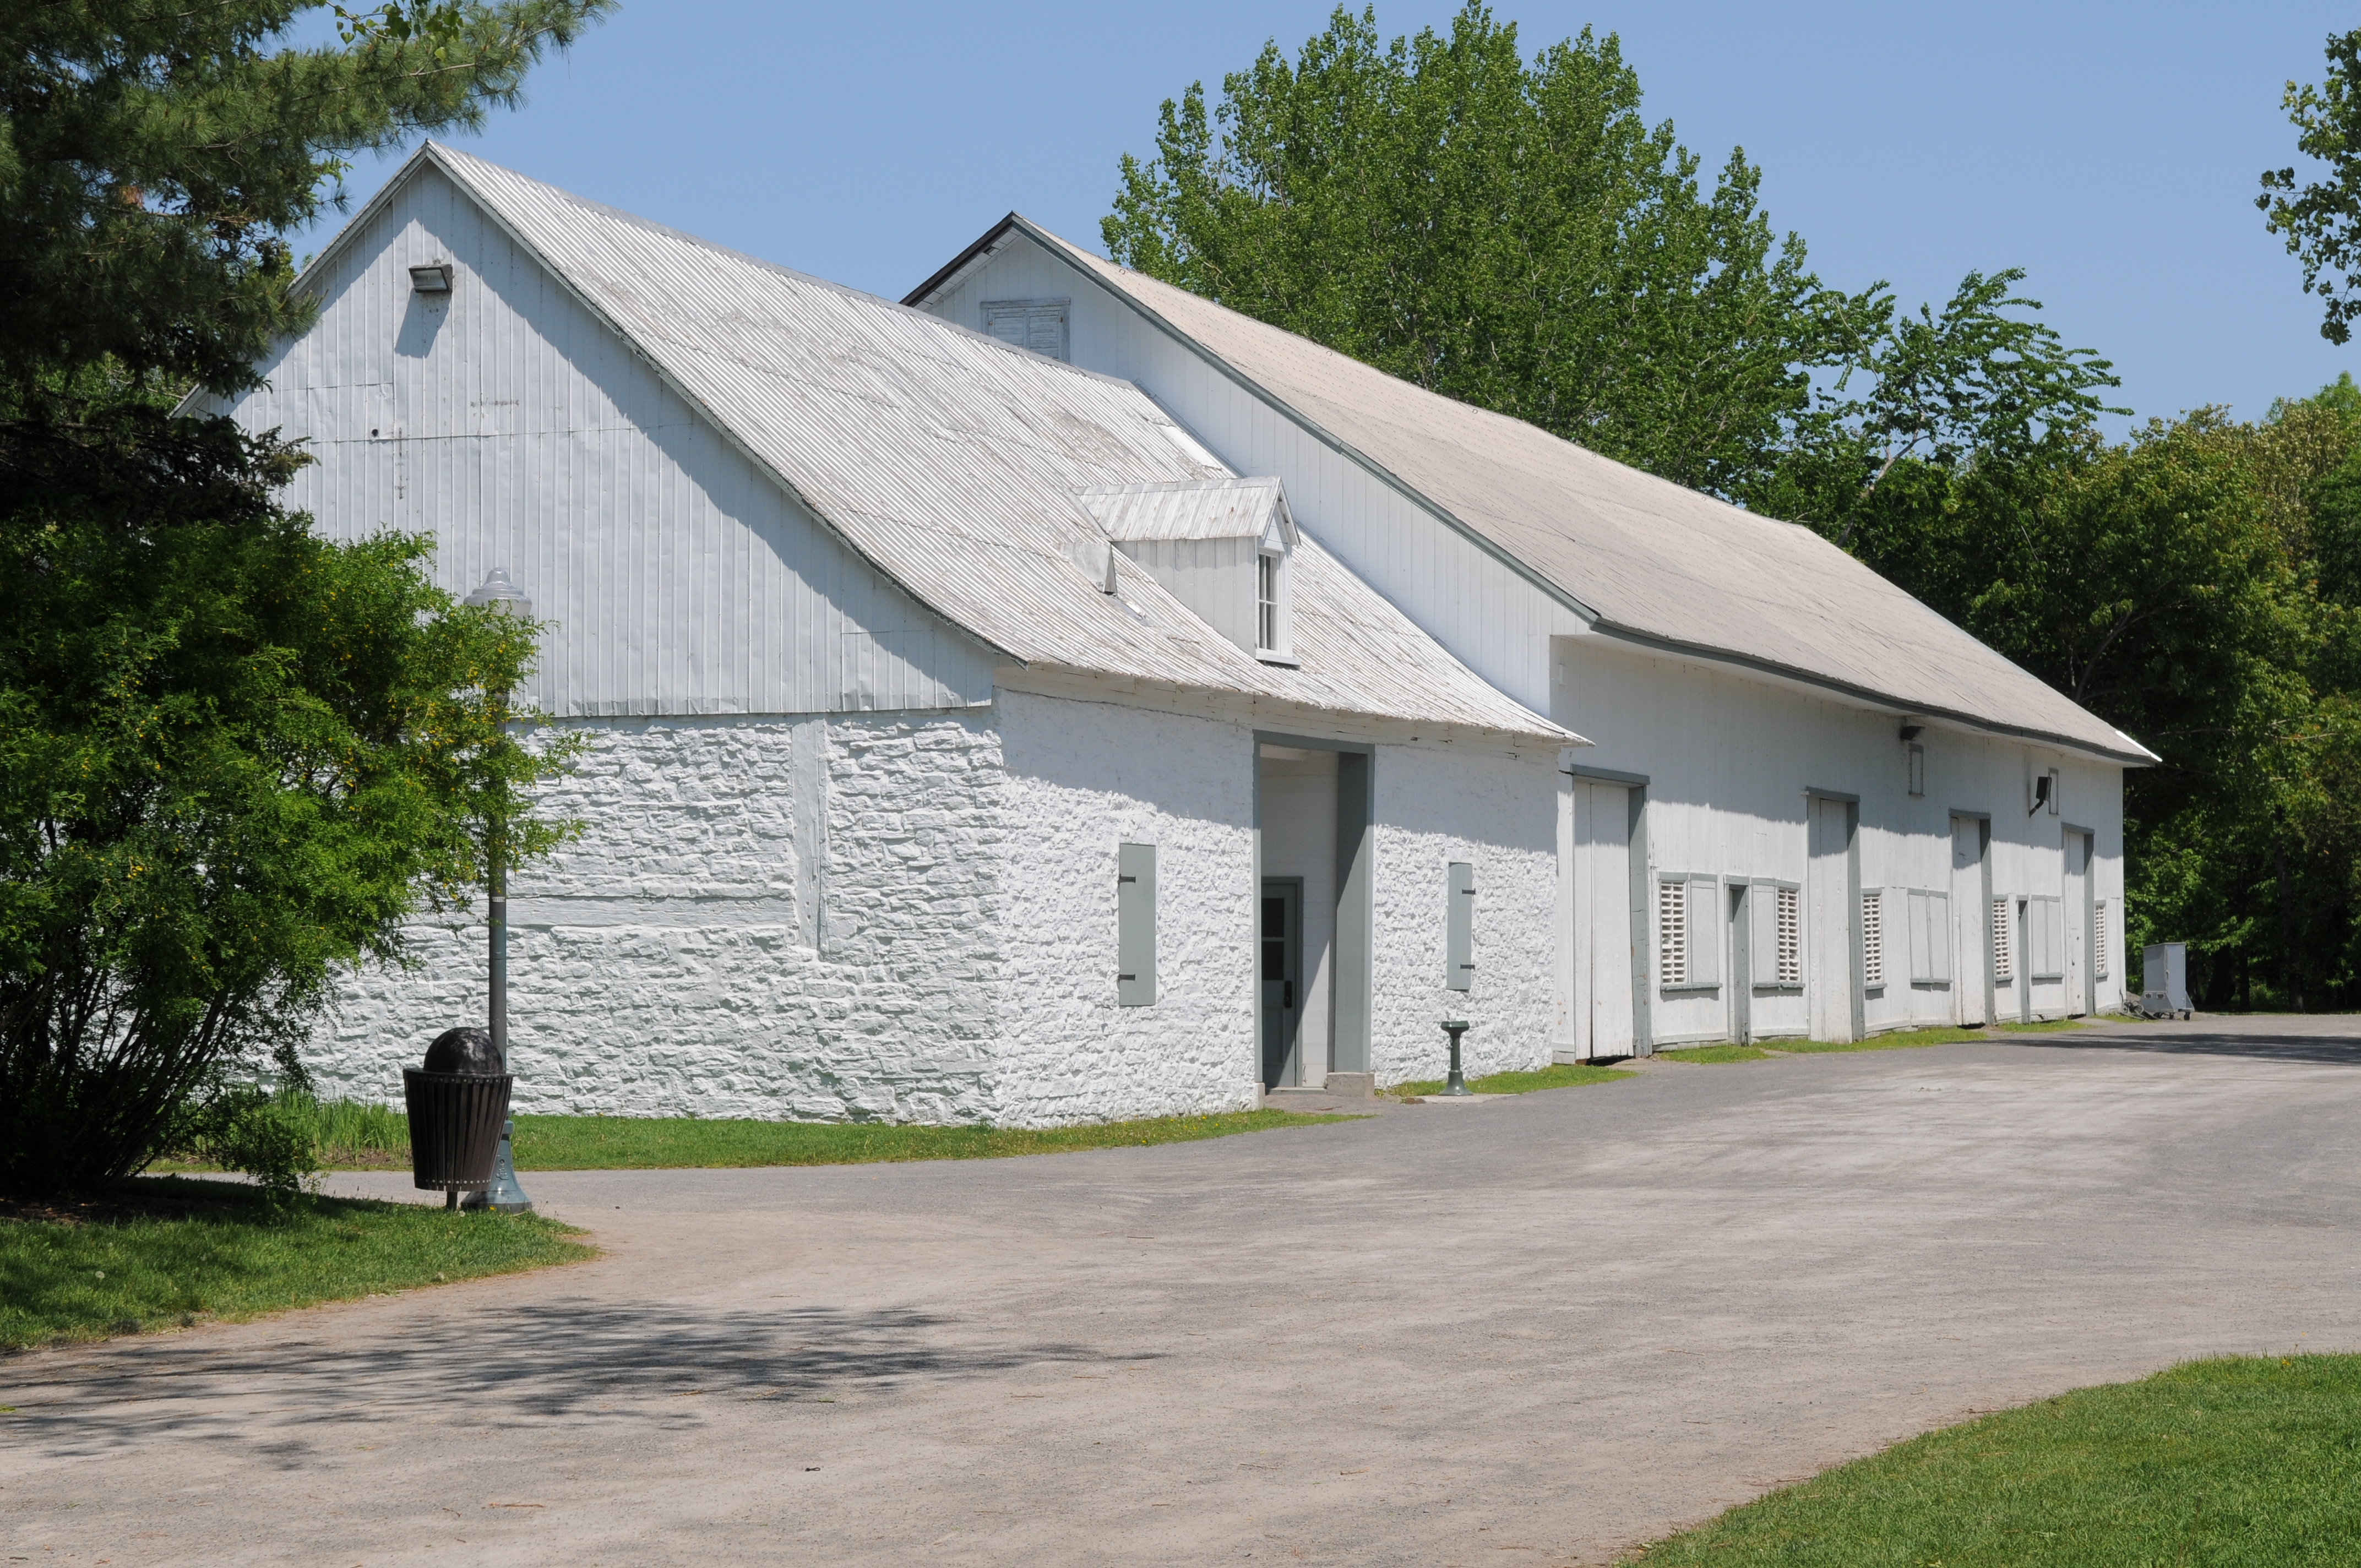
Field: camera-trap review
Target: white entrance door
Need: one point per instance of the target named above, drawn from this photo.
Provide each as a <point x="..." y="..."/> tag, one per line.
<point x="1829" y="961"/>
<point x="1972" y="946"/>
<point x="2076" y="911"/>
<point x="1602" y="919"/>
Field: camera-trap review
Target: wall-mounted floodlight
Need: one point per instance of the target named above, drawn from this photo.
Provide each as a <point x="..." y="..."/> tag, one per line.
<point x="432" y="278"/>
<point x="1912" y="729"/>
<point x="2042" y="783"/>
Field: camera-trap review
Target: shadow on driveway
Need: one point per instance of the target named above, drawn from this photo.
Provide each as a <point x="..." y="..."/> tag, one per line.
<point x="2254" y="1040"/>
<point x="548" y="1360"/>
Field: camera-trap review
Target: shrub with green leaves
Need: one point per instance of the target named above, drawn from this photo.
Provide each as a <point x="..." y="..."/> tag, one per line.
<point x="235" y="757"/>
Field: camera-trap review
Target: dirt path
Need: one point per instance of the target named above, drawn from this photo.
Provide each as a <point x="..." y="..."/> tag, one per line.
<point x="1547" y="1326"/>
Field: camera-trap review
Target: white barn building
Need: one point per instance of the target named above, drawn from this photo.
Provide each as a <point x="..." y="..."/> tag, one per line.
<point x="1057" y="697"/>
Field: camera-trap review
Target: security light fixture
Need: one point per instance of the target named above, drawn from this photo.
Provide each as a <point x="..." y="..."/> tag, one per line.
<point x="2041" y="786"/>
<point x="432" y="278"/>
<point x="502" y="595"/>
<point x="1912" y="729"/>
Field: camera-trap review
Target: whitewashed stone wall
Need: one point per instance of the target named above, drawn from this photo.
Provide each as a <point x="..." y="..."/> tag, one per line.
<point x="1498" y="814"/>
<point x="1084" y="777"/>
<point x="660" y="966"/>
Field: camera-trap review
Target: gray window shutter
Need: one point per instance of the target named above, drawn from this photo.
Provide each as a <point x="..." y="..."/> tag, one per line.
<point x="1915" y="911"/>
<point x="1705" y="932"/>
<point x="1134" y="911"/>
<point x="1763" y="932"/>
<point x="1459" y="928"/>
<point x="1939" y="938"/>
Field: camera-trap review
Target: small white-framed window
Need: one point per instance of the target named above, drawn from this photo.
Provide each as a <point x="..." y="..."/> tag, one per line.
<point x="1917" y="768"/>
<point x="1872" y="938"/>
<point x="2056" y="779"/>
<point x="1268" y="633"/>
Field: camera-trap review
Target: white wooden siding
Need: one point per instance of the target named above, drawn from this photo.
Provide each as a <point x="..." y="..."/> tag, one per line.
<point x="523" y="433"/>
<point x="1728" y="760"/>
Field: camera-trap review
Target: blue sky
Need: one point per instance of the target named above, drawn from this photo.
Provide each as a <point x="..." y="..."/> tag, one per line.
<point x="2110" y="150"/>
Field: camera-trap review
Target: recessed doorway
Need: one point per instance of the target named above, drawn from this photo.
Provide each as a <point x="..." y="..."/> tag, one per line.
<point x="1281" y="966"/>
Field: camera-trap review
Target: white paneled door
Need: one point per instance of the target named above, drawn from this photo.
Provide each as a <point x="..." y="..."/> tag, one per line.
<point x="1971" y="912"/>
<point x="1602" y="919"/>
<point x="1828" y="958"/>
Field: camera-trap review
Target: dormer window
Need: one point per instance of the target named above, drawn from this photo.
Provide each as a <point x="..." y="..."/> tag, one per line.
<point x="1223" y="546"/>
<point x="1267" y="602"/>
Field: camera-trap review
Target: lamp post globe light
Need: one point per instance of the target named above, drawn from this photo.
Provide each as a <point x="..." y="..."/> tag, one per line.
<point x="505" y="1194"/>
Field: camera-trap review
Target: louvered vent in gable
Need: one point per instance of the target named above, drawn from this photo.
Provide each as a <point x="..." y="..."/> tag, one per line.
<point x="1040" y="325"/>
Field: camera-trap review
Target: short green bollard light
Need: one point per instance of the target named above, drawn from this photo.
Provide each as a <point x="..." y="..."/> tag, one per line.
<point x="1455" y="1084"/>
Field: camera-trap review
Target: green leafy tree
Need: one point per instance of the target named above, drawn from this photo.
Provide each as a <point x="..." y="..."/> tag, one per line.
<point x="2322" y="219"/>
<point x="234" y="756"/>
<point x="1508" y="233"/>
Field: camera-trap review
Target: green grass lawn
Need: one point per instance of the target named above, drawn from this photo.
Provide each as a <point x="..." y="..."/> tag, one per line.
<point x="170" y="1252"/>
<point x="1716" y="1053"/>
<point x="1569" y="1075"/>
<point x="1904" y="1039"/>
<point x="369" y="1137"/>
<point x="2231" y="1463"/>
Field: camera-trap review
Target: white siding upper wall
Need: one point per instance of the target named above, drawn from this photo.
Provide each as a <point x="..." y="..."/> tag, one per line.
<point x="1728" y="761"/>
<point x="511" y="424"/>
<point x="1489" y="616"/>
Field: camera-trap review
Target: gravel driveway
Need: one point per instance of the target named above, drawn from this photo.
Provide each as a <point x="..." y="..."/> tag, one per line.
<point x="1549" y="1325"/>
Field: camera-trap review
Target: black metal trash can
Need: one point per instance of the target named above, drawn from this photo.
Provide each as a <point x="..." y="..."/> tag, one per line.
<point x="454" y="1126"/>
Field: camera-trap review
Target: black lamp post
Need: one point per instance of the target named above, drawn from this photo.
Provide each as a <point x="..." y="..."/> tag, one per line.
<point x="505" y="1194"/>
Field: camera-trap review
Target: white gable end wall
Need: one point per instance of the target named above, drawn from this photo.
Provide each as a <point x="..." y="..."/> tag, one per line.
<point x="1488" y="614"/>
<point x="511" y="424"/>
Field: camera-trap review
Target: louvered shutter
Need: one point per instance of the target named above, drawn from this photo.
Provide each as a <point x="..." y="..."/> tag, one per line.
<point x="1673" y="932"/>
<point x="1872" y="938"/>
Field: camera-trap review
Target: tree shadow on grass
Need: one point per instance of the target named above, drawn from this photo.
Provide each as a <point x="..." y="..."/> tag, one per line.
<point x="551" y="1361"/>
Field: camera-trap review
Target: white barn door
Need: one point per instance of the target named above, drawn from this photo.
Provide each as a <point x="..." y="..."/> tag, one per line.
<point x="1971" y="912"/>
<point x="1828" y="963"/>
<point x="2076" y="910"/>
<point x="1602" y="919"/>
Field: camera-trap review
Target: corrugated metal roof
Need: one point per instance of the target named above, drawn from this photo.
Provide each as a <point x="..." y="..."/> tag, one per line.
<point x="1193" y="509"/>
<point x="954" y="462"/>
<point x="1637" y="556"/>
